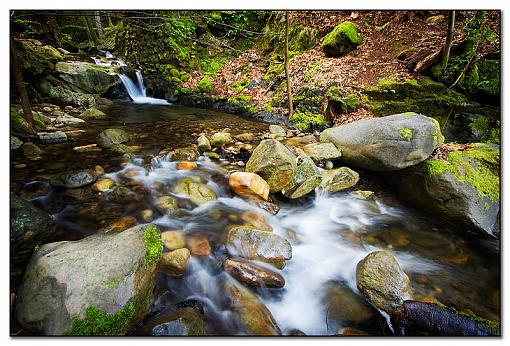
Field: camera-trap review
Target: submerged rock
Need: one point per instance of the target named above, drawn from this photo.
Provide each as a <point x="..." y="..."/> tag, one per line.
<point x="186" y="165"/>
<point x="253" y="274"/>
<point x="174" y="262"/>
<point x="253" y="244"/>
<point x="98" y="285"/>
<point x="183" y="322"/>
<point x="339" y="179"/>
<point x="246" y="183"/>
<point x="388" y="143"/>
<point x="103" y="184"/>
<point x="251" y="313"/>
<point x="464" y="190"/>
<point x="382" y="281"/>
<point x="73" y="180"/>
<point x="166" y="205"/>
<point x="256" y="220"/>
<point x="306" y="178"/>
<point x="274" y="163"/>
<point x="109" y="137"/>
<point x="199" y="245"/>
<point x="30" y="226"/>
<point x="120" y="225"/>
<point x="196" y="192"/>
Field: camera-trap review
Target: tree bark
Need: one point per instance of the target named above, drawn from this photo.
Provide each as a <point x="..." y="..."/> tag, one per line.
<point x="449" y="39"/>
<point x="20" y="85"/>
<point x="97" y="18"/>
<point x="289" y="89"/>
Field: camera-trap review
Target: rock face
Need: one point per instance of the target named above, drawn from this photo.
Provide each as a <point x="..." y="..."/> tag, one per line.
<point x="253" y="315"/>
<point x="73" y="180"/>
<point x="253" y="274"/>
<point x="87" y="77"/>
<point x="274" y="163"/>
<point x="306" y="178"/>
<point x="109" y="137"/>
<point x="196" y="192"/>
<point x="253" y="244"/>
<point x="464" y="191"/>
<point x="382" y="281"/>
<point x="339" y="179"/>
<point x="95" y="286"/>
<point x="246" y="183"/>
<point x="341" y="40"/>
<point x="322" y="151"/>
<point x="30" y="226"/>
<point x="388" y="143"/>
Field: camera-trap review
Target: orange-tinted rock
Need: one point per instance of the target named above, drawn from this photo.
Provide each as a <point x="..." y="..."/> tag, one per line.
<point x="246" y="183"/>
<point x="199" y="245"/>
<point x="186" y="165"/>
<point x="253" y="274"/>
<point x="120" y="225"/>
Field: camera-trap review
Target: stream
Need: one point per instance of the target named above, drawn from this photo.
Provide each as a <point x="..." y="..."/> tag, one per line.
<point x="329" y="234"/>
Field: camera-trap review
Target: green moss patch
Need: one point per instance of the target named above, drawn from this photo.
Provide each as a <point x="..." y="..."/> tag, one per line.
<point x="153" y="244"/>
<point x="406" y="134"/>
<point x="102" y="323"/>
<point x="308" y="121"/>
<point x="341" y="40"/>
<point x="205" y="85"/>
<point x="477" y="166"/>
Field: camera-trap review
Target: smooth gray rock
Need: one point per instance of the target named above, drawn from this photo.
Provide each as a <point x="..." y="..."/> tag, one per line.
<point x="386" y="144"/>
<point x="75" y="179"/>
<point x="110" y="137"/>
<point x="52" y="137"/>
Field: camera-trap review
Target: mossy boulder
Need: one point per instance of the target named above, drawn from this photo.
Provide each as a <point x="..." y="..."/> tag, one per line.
<point x="35" y="57"/>
<point x="465" y="190"/>
<point x="382" y="281"/>
<point x="307" y="122"/>
<point x="388" y="143"/>
<point x="274" y="163"/>
<point x="196" y="192"/>
<point x="99" y="285"/>
<point x="344" y="38"/>
<point x="93" y="113"/>
<point x="87" y="77"/>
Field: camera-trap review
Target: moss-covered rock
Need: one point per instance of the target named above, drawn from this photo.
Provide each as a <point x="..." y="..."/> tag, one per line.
<point x="196" y="192"/>
<point x="99" y="285"/>
<point x="35" y="57"/>
<point x="344" y="38"/>
<point x="109" y="137"/>
<point x="465" y="190"/>
<point x="307" y="122"/>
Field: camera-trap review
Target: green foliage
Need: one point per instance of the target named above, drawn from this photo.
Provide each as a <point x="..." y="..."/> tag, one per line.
<point x="102" y="323"/>
<point x="25" y="26"/>
<point x="235" y="24"/>
<point x="406" y="134"/>
<point x="308" y="121"/>
<point x="486" y="128"/>
<point x="153" y="244"/>
<point x="205" y="85"/>
<point x="240" y="85"/>
<point x="477" y="166"/>
<point x="341" y="40"/>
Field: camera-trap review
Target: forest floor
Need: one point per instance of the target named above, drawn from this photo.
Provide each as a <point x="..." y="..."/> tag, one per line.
<point x="376" y="58"/>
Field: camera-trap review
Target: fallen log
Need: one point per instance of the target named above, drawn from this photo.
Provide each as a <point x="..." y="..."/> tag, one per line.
<point x="417" y="318"/>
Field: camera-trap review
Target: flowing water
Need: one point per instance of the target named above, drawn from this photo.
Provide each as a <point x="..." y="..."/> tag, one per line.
<point x="329" y="234"/>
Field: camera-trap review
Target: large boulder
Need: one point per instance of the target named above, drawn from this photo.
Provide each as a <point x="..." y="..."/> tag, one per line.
<point x="341" y="40"/>
<point x="465" y="190"/>
<point x="30" y="226"/>
<point x="87" y="77"/>
<point x="99" y="285"/>
<point x="250" y="243"/>
<point x="388" y="143"/>
<point x="274" y="163"/>
<point x="249" y="310"/>
<point x="382" y="281"/>
<point x="36" y="57"/>
<point x="67" y="96"/>
<point x="109" y="137"/>
<point x="306" y="178"/>
<point x="75" y="179"/>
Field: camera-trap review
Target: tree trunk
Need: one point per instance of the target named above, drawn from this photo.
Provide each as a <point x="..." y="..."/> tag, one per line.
<point x="99" y="28"/>
<point x="90" y="29"/>
<point x="289" y="89"/>
<point x="449" y="39"/>
<point x="20" y="85"/>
